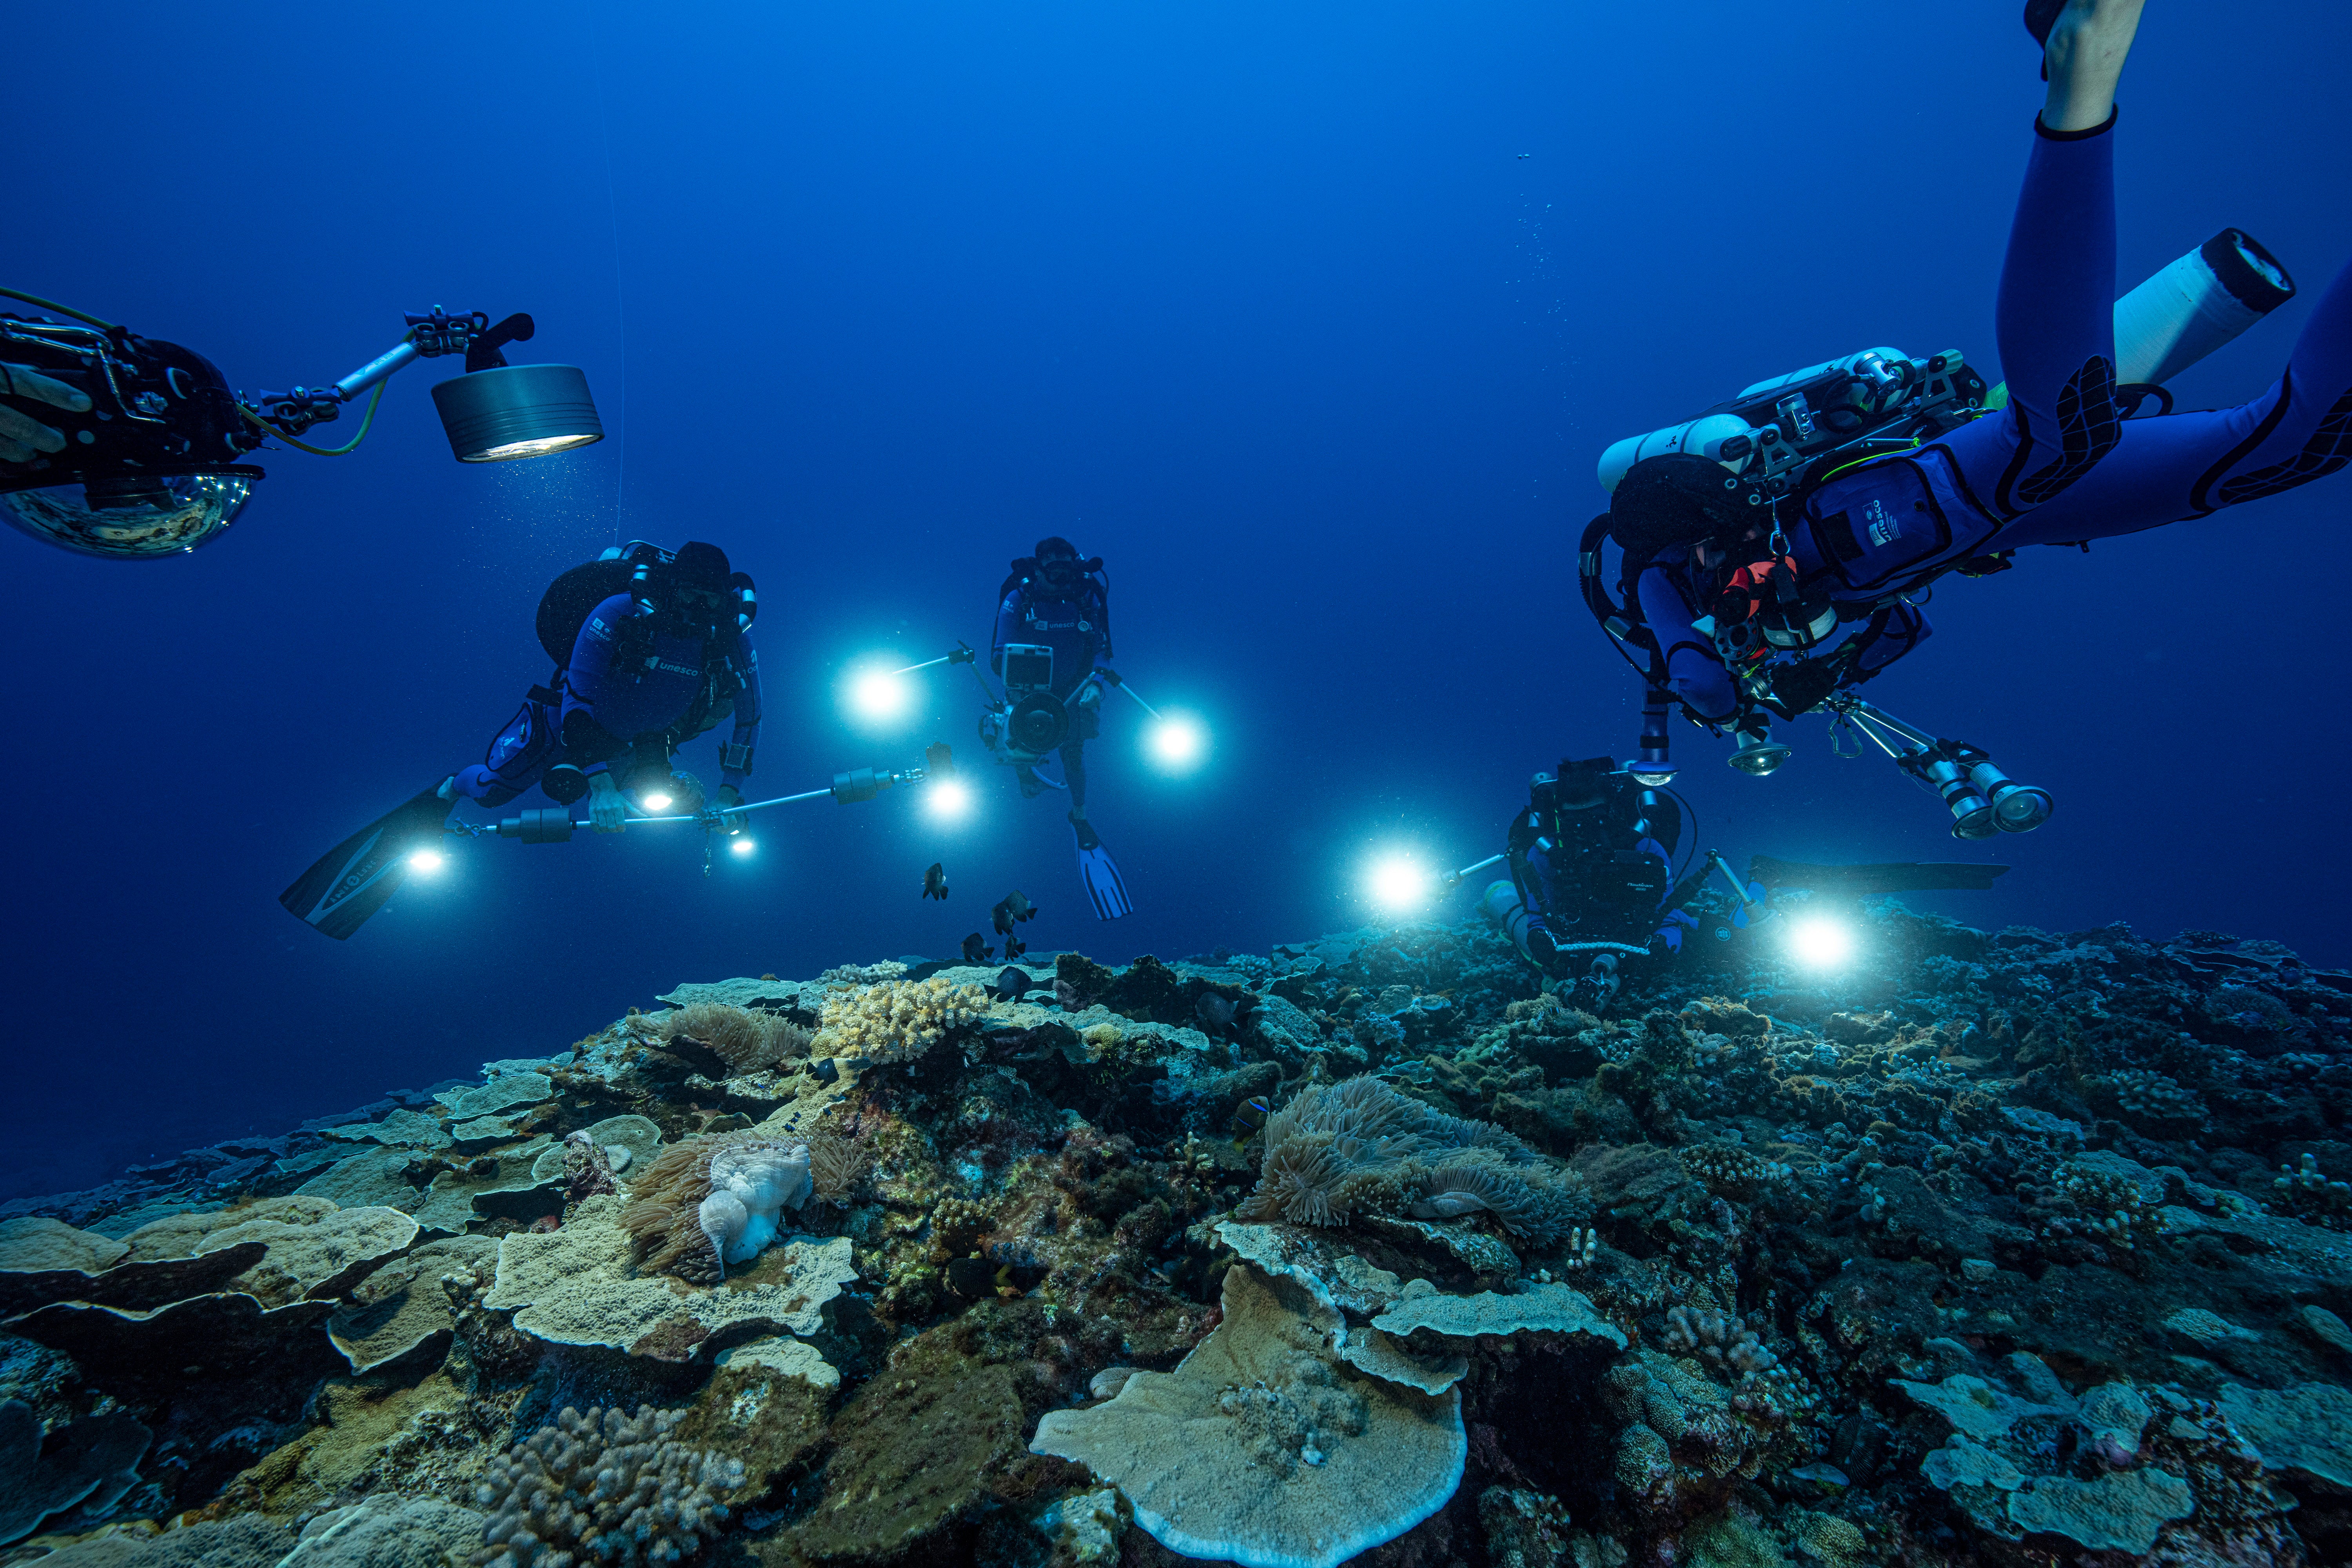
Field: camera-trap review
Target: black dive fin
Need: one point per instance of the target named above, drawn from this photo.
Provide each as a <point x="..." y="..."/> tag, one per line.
<point x="1904" y="876"/>
<point x="355" y="878"/>
<point x="1106" y="889"/>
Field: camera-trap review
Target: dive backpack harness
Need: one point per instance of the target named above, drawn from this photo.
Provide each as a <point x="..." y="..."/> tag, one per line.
<point x="635" y="568"/>
<point x="1779" y="441"/>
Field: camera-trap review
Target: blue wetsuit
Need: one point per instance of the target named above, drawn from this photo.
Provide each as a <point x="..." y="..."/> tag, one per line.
<point x="626" y="679"/>
<point x="1076" y="625"/>
<point x="2061" y="464"/>
<point x="1601" y="874"/>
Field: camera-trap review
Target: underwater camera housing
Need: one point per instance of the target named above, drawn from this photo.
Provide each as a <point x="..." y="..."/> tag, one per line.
<point x="155" y="467"/>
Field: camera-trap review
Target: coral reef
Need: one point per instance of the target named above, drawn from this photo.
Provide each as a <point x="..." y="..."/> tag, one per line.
<point x="746" y="1038"/>
<point x="599" y="1486"/>
<point x="896" y="1020"/>
<point x="1995" y="1248"/>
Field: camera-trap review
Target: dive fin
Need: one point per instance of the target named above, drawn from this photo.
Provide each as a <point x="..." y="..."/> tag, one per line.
<point x="355" y="878"/>
<point x="1106" y="889"/>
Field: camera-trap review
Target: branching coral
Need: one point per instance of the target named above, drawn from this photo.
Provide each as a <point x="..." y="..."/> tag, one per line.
<point x="710" y="1202"/>
<point x="745" y="1038"/>
<point x="1340" y="1147"/>
<point x="896" y="1021"/>
<point x="1728" y="1168"/>
<point x="610" y="1490"/>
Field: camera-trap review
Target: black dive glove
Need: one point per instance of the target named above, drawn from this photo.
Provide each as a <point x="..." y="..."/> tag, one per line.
<point x="1800" y="688"/>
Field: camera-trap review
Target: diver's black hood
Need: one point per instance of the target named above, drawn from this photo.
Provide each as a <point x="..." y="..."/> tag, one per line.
<point x="1679" y="500"/>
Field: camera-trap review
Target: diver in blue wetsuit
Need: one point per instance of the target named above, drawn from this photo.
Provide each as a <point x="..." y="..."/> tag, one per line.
<point x="662" y="659"/>
<point x="1592" y="860"/>
<point x="651" y="649"/>
<point x="1751" y="596"/>
<point x="1051" y="646"/>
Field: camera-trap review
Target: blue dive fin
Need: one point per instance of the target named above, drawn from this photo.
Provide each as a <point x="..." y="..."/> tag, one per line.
<point x="355" y="878"/>
<point x="1106" y="889"/>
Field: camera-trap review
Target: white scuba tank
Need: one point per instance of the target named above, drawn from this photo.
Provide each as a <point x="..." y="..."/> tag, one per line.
<point x="1500" y="903"/>
<point x="2184" y="312"/>
<point x="1814" y="372"/>
<point x="2195" y="305"/>
<point x="1704" y="437"/>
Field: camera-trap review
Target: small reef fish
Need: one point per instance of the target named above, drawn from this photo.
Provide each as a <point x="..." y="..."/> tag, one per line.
<point x="1217" y="1012"/>
<point x="1010" y="907"/>
<point x="1250" y="1119"/>
<point x="935" y="881"/>
<point x="1012" y="984"/>
<point x="976" y="948"/>
<point x="1014" y="946"/>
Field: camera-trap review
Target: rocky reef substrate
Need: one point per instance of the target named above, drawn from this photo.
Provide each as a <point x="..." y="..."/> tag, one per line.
<point x="2005" y="1248"/>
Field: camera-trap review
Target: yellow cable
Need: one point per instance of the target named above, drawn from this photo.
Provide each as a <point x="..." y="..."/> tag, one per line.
<point x="60" y="309"/>
<point x="345" y="450"/>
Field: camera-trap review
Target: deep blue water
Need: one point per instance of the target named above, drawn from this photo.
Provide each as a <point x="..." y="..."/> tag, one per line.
<point x="1311" y="319"/>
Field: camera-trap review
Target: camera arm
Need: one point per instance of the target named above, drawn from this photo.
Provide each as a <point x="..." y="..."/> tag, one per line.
<point x="429" y="336"/>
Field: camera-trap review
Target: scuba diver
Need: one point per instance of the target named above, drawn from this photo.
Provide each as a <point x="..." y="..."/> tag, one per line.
<point x="1592" y="863"/>
<point x="1049" y="648"/>
<point x="652" y="648"/>
<point x="660" y="659"/>
<point x="1761" y="579"/>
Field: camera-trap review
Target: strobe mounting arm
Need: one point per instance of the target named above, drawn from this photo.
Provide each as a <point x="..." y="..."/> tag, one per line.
<point x="1983" y="800"/>
<point x="429" y="336"/>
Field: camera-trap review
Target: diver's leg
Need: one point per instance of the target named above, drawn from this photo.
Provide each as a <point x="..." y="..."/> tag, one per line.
<point x="2178" y="466"/>
<point x="2084" y="59"/>
<point x="514" y="759"/>
<point x="1073" y="774"/>
<point x="2054" y="317"/>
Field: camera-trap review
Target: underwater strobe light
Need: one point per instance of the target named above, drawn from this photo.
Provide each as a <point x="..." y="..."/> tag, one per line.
<point x="1819" y="942"/>
<point x="141" y="445"/>
<point x="1397" y="882"/>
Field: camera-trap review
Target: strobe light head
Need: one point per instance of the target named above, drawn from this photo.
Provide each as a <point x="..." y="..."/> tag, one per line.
<point x="497" y="412"/>
<point x="514" y="411"/>
<point x="153" y="468"/>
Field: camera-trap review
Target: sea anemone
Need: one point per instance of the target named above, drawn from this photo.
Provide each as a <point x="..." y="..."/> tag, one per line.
<point x="709" y="1202"/>
<point x="745" y="1038"/>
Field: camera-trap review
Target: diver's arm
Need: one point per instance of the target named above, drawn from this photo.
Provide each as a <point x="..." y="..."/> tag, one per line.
<point x="587" y="681"/>
<point x="1694" y="673"/>
<point x="735" y="756"/>
<point x="1881" y="641"/>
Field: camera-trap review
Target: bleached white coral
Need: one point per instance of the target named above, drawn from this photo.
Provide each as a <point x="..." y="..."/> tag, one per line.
<point x="752" y="1184"/>
<point x="896" y="1021"/>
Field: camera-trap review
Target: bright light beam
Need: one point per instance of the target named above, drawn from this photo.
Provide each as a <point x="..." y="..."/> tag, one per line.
<point x="947" y="799"/>
<point x="1820" y="943"/>
<point x="880" y="696"/>
<point x="1177" y="741"/>
<point x="1398" y="883"/>
<point x="741" y="846"/>
<point x="427" y="861"/>
<point x="657" y="801"/>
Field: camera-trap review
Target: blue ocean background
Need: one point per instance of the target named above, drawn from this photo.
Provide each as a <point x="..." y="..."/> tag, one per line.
<point x="1311" y="319"/>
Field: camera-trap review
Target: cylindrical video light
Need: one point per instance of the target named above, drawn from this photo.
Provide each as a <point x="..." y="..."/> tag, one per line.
<point x="517" y="411"/>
